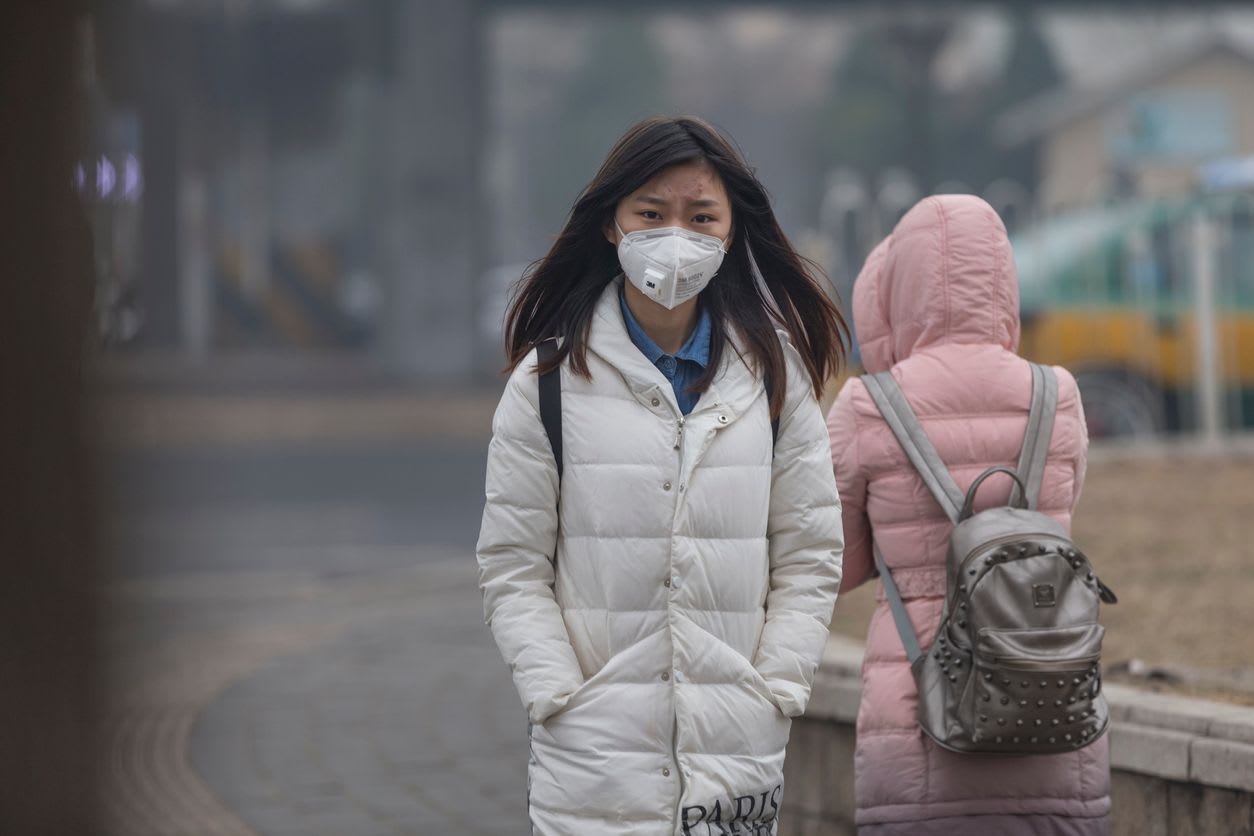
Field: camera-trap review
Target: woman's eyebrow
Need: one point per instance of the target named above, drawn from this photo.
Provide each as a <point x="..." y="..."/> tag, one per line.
<point x="699" y="203"/>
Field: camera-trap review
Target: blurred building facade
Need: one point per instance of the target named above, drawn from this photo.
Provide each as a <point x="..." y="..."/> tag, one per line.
<point x="304" y="184"/>
<point x="1145" y="133"/>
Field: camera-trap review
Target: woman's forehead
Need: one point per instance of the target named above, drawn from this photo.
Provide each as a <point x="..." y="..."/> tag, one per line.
<point x="688" y="182"/>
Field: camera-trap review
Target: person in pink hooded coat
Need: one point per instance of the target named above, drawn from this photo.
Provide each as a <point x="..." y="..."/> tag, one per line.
<point x="937" y="303"/>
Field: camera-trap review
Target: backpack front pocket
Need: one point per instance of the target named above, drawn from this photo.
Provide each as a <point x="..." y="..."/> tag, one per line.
<point x="1041" y="648"/>
<point x="1038" y="688"/>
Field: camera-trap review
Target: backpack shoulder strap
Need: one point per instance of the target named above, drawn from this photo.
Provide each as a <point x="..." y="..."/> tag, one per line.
<point x="774" y="421"/>
<point x="551" y="401"/>
<point x="901" y="419"/>
<point x="1039" y="430"/>
<point x="901" y="618"/>
<point x="892" y="404"/>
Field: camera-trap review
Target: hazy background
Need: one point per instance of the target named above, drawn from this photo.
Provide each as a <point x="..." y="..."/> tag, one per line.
<point x="360" y="184"/>
<point x="307" y="216"/>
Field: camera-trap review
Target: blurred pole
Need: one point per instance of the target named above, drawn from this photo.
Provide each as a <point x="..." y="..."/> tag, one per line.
<point x="843" y="221"/>
<point x="195" y="266"/>
<point x="254" y="158"/>
<point x="142" y="38"/>
<point x="48" y="568"/>
<point x="919" y="36"/>
<point x="432" y="237"/>
<point x="254" y="214"/>
<point x="1207" y="392"/>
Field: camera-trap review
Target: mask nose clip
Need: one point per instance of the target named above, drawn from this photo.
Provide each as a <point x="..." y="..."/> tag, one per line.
<point x="669" y="265"/>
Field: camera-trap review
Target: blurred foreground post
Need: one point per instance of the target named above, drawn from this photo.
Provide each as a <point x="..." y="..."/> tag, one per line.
<point x="47" y="564"/>
<point x="1206" y="329"/>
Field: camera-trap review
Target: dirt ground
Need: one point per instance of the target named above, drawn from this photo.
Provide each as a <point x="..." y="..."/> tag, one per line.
<point x="1173" y="534"/>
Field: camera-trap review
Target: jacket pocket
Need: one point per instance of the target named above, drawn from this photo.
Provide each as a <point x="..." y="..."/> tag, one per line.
<point x="746" y="673"/>
<point x="580" y="695"/>
<point x="759" y="684"/>
<point x="623" y="695"/>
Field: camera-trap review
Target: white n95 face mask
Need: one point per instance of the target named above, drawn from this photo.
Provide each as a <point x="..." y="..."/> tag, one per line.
<point x="669" y="265"/>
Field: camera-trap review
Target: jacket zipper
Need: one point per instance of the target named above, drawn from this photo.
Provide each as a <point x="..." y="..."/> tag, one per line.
<point x="679" y="769"/>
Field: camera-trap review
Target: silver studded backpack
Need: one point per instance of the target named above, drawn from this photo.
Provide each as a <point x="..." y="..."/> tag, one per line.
<point x="1015" y="667"/>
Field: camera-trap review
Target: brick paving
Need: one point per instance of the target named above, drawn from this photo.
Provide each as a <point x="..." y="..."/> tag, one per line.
<point x="286" y="703"/>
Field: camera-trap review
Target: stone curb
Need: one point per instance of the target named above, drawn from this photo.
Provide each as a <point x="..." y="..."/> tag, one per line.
<point x="1177" y="738"/>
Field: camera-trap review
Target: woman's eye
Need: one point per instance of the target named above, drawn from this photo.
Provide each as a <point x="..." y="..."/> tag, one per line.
<point x="703" y="219"/>
<point x="649" y="214"/>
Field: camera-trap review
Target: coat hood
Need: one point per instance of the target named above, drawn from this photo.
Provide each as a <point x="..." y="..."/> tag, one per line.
<point x="946" y="275"/>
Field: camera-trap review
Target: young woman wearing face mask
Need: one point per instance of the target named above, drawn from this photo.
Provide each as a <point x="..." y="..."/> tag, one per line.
<point x="662" y="598"/>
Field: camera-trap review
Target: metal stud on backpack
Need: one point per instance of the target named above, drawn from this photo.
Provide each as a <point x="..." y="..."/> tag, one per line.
<point x="1015" y="667"/>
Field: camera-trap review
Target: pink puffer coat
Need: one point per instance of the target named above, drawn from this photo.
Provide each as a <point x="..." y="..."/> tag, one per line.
<point x="938" y="304"/>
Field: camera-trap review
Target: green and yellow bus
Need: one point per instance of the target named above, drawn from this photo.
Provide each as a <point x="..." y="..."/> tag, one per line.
<point x="1109" y="294"/>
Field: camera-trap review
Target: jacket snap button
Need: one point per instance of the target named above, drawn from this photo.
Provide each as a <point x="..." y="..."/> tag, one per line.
<point x="665" y="677"/>
<point x="666" y="582"/>
<point x="666" y="486"/>
<point x="656" y="402"/>
<point x="722" y="419"/>
<point x="666" y="773"/>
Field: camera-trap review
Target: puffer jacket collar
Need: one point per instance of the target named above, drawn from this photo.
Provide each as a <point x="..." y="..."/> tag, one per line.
<point x="735" y="388"/>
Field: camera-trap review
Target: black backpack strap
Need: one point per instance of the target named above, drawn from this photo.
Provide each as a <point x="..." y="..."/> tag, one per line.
<point x="892" y="404"/>
<point x="774" y="421"/>
<point x="551" y="401"/>
<point x="1036" y="437"/>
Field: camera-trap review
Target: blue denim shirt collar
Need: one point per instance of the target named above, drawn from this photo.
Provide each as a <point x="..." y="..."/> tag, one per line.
<point x="695" y="349"/>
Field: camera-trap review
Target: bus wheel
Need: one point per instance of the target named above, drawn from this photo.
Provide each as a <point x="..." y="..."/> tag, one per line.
<point x="1117" y="405"/>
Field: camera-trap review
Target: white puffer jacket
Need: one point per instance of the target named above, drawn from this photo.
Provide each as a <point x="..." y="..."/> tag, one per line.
<point x="662" y="653"/>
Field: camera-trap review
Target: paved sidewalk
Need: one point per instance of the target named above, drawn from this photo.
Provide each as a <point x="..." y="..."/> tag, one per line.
<point x="284" y="703"/>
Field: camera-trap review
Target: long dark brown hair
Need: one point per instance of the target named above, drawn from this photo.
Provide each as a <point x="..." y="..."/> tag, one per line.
<point x="762" y="282"/>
